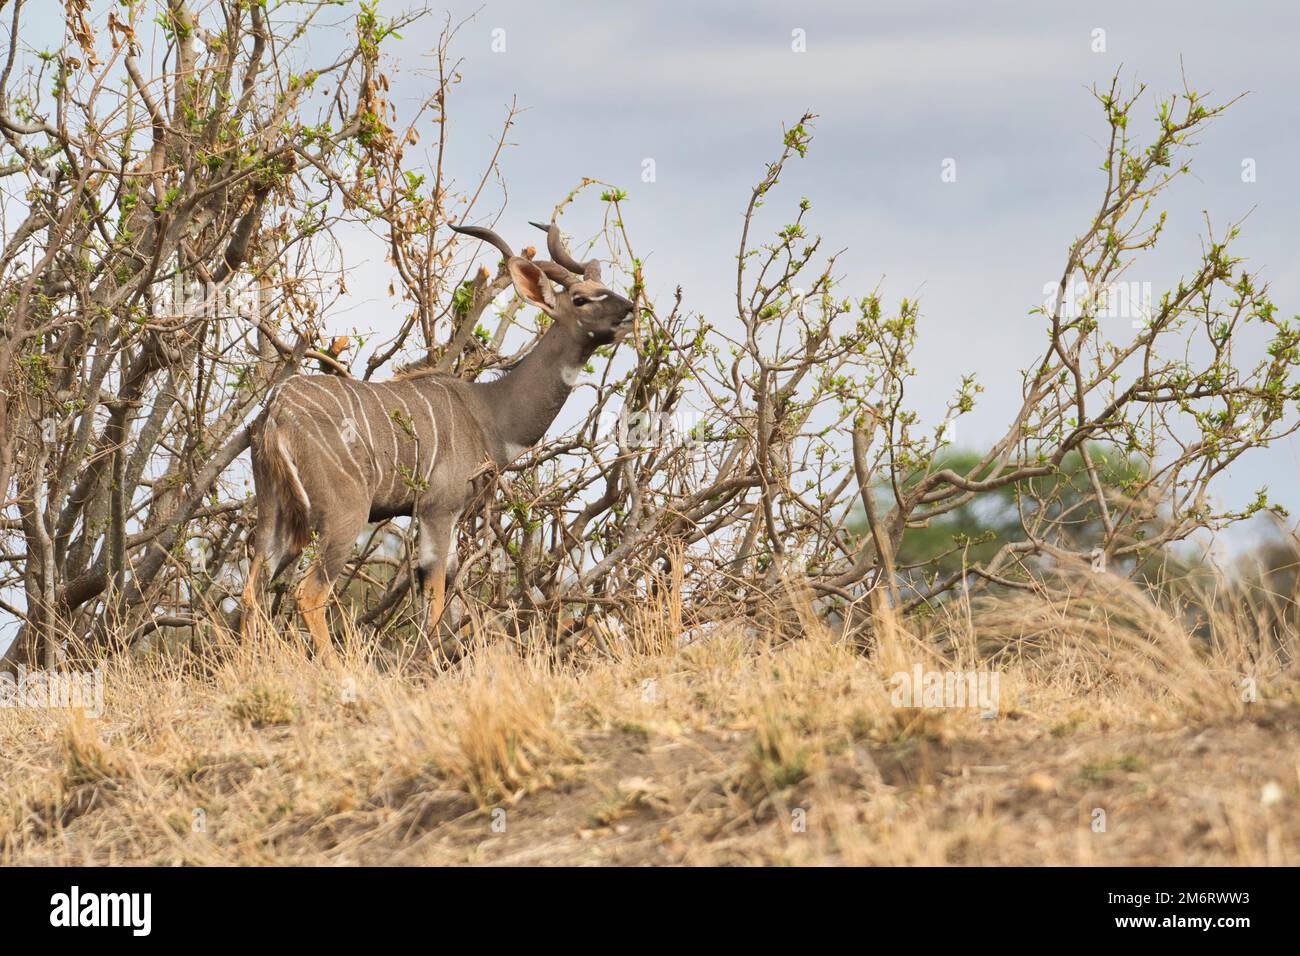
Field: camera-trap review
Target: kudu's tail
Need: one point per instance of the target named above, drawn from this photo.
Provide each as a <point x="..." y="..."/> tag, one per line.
<point x="273" y="463"/>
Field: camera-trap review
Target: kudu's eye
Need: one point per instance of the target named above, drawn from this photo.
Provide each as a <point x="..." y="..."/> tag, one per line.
<point x="580" y="300"/>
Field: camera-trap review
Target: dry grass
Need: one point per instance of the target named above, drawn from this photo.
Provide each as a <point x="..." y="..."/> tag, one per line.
<point x="725" y="749"/>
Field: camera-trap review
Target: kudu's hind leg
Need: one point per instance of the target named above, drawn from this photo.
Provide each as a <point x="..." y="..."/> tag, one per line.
<point x="263" y="556"/>
<point x="335" y="539"/>
<point x="249" y="607"/>
<point x="289" y="559"/>
<point x="264" y="546"/>
<point x="313" y="595"/>
<point x="437" y="559"/>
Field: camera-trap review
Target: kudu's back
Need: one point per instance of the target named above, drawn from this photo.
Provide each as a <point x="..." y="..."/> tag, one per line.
<point x="332" y="444"/>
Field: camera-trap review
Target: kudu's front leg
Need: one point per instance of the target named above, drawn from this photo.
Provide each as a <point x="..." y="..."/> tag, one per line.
<point x="437" y="560"/>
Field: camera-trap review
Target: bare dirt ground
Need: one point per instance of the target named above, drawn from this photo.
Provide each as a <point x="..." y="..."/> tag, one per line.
<point x="1189" y="797"/>
<point x="1115" y="742"/>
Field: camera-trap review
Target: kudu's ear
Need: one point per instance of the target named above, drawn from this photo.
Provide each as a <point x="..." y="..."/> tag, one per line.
<point x="532" y="285"/>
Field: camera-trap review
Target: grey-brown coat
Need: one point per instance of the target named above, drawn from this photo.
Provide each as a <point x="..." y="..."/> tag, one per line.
<point x="331" y="453"/>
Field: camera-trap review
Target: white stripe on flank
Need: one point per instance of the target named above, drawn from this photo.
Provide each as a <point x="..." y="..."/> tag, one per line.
<point x="433" y="453"/>
<point x="302" y="420"/>
<point x="410" y="421"/>
<point x="345" y="412"/>
<point x="361" y="393"/>
<point x="392" y="433"/>
<point x="346" y="417"/>
<point x="325" y="442"/>
<point x="365" y="419"/>
<point x="448" y="395"/>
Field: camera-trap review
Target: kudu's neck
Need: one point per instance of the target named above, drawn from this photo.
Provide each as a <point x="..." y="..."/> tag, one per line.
<point x="525" y="400"/>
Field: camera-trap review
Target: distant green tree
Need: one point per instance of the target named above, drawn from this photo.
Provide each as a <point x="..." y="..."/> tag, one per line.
<point x="973" y="532"/>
